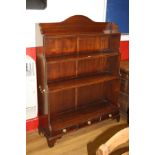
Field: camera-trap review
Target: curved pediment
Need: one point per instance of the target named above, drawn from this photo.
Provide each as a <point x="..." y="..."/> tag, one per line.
<point x="78" y="24"/>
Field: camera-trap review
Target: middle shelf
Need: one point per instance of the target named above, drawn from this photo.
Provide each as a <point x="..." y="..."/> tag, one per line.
<point x="83" y="81"/>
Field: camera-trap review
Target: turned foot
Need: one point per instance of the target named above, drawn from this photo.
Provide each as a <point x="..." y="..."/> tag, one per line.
<point x="51" y="143"/>
<point x="52" y="140"/>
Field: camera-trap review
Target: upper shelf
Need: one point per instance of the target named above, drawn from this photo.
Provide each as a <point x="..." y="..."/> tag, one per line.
<point x="80" y="56"/>
<point x="78" y="24"/>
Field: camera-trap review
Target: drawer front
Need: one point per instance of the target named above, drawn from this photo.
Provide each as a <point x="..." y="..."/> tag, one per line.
<point x="61" y="70"/>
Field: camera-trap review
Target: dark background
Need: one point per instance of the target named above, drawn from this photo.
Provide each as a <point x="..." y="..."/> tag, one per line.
<point x="36" y="4"/>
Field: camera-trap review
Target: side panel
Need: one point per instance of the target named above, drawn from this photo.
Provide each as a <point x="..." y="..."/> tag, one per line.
<point x="41" y="83"/>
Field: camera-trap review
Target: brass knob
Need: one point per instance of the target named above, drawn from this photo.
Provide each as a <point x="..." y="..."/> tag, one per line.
<point x="64" y="130"/>
<point x="89" y="122"/>
<point x="110" y="115"/>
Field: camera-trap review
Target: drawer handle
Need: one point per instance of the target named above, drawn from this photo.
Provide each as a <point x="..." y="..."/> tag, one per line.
<point x="89" y="122"/>
<point x="64" y="130"/>
<point x="110" y="115"/>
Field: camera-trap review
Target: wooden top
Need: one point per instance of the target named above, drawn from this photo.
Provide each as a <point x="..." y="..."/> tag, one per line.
<point x="78" y="24"/>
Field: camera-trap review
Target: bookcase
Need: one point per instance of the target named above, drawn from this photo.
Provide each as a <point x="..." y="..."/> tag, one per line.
<point x="77" y="75"/>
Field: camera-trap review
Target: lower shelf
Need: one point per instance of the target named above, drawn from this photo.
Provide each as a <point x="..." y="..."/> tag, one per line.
<point x="83" y="115"/>
<point x="74" y="120"/>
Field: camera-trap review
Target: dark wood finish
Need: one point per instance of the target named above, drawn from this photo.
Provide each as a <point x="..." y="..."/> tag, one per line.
<point x="124" y="88"/>
<point x="78" y="24"/>
<point x="78" y="75"/>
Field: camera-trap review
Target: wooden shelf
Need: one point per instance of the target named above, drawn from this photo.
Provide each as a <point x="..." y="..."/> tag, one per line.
<point x="81" y="56"/>
<point x="83" y="81"/>
<point x="83" y="115"/>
